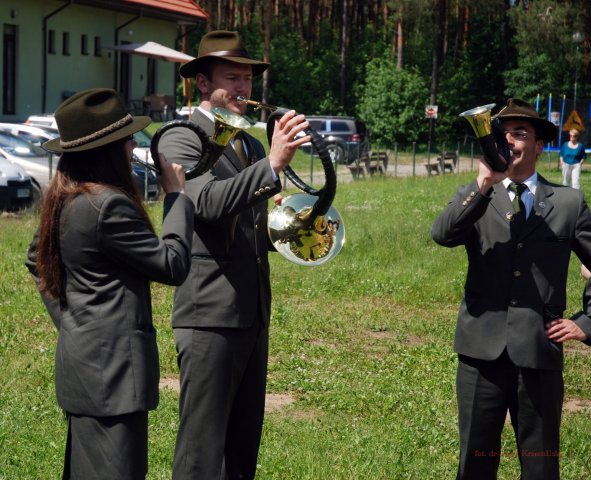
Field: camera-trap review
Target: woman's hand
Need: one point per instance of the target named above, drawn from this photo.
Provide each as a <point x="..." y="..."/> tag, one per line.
<point x="172" y="176"/>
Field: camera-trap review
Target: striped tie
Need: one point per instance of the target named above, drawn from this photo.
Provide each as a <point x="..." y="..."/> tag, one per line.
<point x="239" y="149"/>
<point x="518" y="206"/>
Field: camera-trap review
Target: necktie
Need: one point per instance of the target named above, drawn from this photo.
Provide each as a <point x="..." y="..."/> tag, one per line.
<point x="518" y="206"/>
<point x="239" y="149"/>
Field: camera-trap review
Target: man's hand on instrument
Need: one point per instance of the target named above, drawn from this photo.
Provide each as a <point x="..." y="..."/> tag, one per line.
<point x="487" y="177"/>
<point x="286" y="141"/>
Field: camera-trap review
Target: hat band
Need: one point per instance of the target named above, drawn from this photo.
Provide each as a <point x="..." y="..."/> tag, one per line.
<point x="98" y="134"/>
<point x="229" y="53"/>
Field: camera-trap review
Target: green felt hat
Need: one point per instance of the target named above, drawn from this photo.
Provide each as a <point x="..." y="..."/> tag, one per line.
<point x="224" y="45"/>
<point x="93" y="118"/>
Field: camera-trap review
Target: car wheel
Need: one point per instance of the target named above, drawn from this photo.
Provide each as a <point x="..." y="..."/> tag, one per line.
<point x="37" y="195"/>
<point x="336" y="152"/>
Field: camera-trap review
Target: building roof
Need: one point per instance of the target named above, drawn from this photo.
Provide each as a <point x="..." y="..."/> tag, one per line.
<point x="185" y="7"/>
<point x="182" y="11"/>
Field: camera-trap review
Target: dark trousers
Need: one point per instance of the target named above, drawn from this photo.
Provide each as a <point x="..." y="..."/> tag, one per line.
<point x="107" y="448"/>
<point x="223" y="375"/>
<point x="486" y="390"/>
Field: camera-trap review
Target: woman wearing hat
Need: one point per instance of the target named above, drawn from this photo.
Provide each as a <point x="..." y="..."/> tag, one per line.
<point x="518" y="230"/>
<point x="572" y="156"/>
<point x="94" y="256"/>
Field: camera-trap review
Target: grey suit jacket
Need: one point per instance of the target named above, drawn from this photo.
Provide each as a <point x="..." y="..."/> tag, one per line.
<point x="229" y="280"/>
<point x="107" y="358"/>
<point x="515" y="284"/>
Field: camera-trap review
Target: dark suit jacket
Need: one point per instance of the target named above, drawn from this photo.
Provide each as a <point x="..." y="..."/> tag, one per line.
<point x="106" y="357"/>
<point x="229" y="278"/>
<point x="515" y="285"/>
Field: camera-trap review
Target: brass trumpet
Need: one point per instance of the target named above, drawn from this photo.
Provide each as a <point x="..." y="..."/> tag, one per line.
<point x="305" y="230"/>
<point x="490" y="135"/>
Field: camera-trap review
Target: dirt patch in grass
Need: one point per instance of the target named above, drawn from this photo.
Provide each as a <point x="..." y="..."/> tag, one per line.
<point x="321" y="343"/>
<point x="172" y="383"/>
<point x="277" y="401"/>
<point x="574" y="405"/>
<point x="273" y="403"/>
<point x="577" y="348"/>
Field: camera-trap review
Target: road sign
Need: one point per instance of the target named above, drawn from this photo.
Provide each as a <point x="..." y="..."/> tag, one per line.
<point x="431" y="111"/>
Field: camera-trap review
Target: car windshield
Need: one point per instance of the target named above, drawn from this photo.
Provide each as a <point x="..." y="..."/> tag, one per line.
<point x="20" y="147"/>
<point x="142" y="139"/>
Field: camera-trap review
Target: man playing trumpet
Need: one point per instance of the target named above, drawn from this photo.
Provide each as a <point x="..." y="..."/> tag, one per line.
<point x="518" y="230"/>
<point x="221" y="313"/>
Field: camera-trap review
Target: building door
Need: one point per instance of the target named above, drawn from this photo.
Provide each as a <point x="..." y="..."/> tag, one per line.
<point x="124" y="76"/>
<point x="9" y="70"/>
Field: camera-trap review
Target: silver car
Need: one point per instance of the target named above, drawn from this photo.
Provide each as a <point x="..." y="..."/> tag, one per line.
<point x="36" y="134"/>
<point x="16" y="188"/>
<point x="33" y="159"/>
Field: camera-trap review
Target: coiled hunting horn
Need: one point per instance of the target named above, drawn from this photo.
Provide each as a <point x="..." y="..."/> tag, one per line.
<point x="305" y="229"/>
<point x="226" y="125"/>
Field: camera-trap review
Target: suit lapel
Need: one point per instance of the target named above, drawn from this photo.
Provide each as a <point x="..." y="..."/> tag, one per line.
<point x="501" y="203"/>
<point x="542" y="206"/>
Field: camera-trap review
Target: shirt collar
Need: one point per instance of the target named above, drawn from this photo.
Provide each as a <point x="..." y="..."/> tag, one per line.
<point x="531" y="182"/>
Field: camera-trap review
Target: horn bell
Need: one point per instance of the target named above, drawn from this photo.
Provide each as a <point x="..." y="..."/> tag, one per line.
<point x="479" y="119"/>
<point x="302" y="239"/>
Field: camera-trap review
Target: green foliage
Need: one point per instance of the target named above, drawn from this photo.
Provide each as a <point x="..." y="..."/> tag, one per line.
<point x="547" y="52"/>
<point x="392" y="102"/>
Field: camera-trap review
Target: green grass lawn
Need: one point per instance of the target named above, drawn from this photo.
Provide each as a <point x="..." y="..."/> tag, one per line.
<point x="361" y="353"/>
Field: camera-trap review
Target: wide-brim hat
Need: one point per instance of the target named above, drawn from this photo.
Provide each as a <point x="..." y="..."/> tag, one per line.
<point x="224" y="45"/>
<point x="517" y="109"/>
<point x="93" y="118"/>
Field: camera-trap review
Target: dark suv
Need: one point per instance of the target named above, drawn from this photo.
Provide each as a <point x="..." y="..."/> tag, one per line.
<point x="345" y="137"/>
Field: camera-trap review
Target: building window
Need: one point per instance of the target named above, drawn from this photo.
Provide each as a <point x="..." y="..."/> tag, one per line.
<point x="66" y="43"/>
<point x="51" y="41"/>
<point x="97" y="46"/>
<point x="9" y="70"/>
<point x="84" y="44"/>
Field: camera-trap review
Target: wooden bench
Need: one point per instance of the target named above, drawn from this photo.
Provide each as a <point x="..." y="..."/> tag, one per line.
<point x="377" y="162"/>
<point x="357" y="168"/>
<point x="446" y="162"/>
<point x="369" y="163"/>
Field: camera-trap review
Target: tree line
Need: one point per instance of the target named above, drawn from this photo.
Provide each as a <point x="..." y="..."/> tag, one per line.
<point x="384" y="61"/>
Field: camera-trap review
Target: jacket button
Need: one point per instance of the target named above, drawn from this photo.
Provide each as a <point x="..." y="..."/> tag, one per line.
<point x="257" y="227"/>
<point x="257" y="194"/>
<point x="464" y="203"/>
<point x="259" y="261"/>
<point x="267" y="189"/>
<point x="520" y="245"/>
<point x="513" y="302"/>
<point x="517" y="273"/>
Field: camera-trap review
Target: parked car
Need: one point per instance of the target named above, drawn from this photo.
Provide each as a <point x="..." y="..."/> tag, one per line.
<point x="345" y="137"/>
<point x="16" y="187"/>
<point x="149" y="191"/>
<point x="36" y="134"/>
<point x="46" y="119"/>
<point x="142" y="149"/>
<point x="33" y="159"/>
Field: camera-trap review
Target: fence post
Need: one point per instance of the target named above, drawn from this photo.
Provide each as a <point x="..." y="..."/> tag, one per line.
<point x="414" y="152"/>
<point x="458" y="157"/>
<point x="471" y="156"/>
<point x="395" y="159"/>
<point x="429" y="158"/>
<point x="311" y="166"/>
